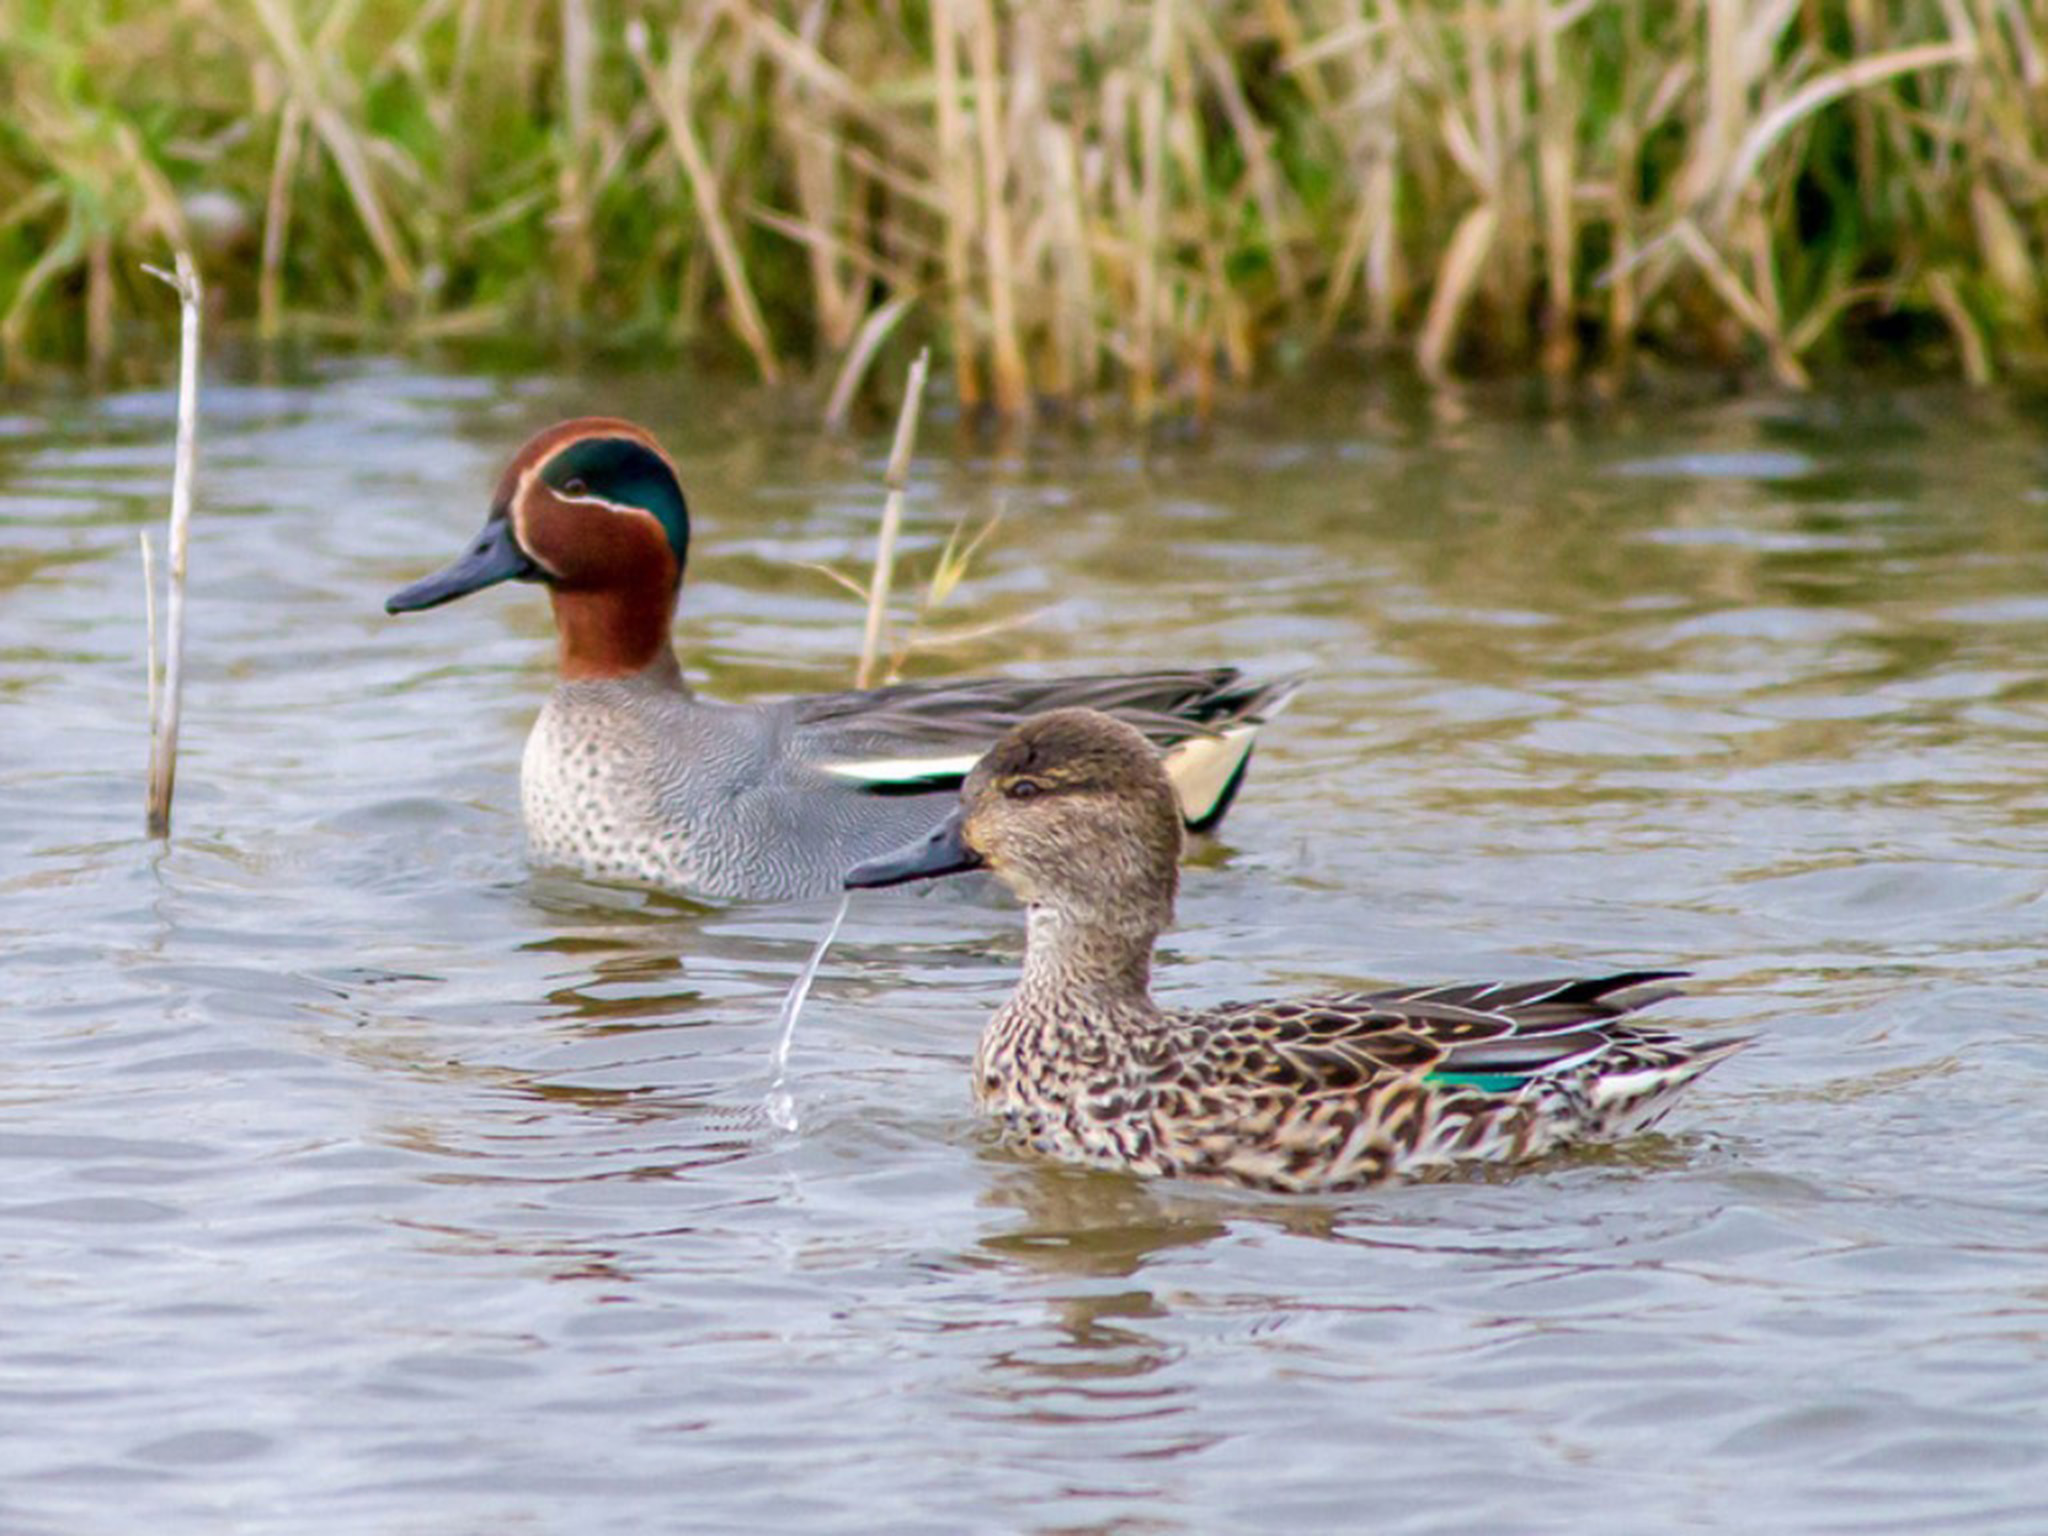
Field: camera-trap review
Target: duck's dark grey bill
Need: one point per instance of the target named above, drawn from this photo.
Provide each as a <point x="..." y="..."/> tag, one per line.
<point x="943" y="852"/>
<point x="493" y="556"/>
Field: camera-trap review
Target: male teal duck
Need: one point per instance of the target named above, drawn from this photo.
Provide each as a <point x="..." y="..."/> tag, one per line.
<point x="1072" y="811"/>
<point x="629" y="775"/>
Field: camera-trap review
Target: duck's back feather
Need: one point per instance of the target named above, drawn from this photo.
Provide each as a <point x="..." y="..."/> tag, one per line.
<point x="1325" y="1092"/>
<point x="922" y="738"/>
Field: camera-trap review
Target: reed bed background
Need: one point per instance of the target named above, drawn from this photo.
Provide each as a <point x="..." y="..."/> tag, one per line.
<point x="1075" y="201"/>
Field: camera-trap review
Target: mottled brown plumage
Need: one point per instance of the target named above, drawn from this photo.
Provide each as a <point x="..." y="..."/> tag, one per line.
<point x="1072" y="811"/>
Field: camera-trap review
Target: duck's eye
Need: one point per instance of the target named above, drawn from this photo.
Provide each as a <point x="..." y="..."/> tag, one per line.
<point x="574" y="486"/>
<point x="1023" y="789"/>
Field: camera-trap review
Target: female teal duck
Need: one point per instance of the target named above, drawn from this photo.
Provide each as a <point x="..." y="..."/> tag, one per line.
<point x="629" y="775"/>
<point x="1073" y="812"/>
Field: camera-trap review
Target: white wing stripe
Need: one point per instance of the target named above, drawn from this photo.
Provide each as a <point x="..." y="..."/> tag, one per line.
<point x="1200" y="768"/>
<point x="900" y="770"/>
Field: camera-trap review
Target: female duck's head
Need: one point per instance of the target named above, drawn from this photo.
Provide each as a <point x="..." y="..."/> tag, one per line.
<point x="1074" y="812"/>
<point x="592" y="509"/>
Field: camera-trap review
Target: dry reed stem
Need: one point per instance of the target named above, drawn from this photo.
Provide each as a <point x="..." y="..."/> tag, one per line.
<point x="1976" y="356"/>
<point x="952" y="567"/>
<point x="163" y="759"/>
<point x="1009" y="377"/>
<point x="99" y="302"/>
<point x="1462" y="266"/>
<point x="1151" y="198"/>
<point x="277" y="218"/>
<point x="1819" y="92"/>
<point x="1806" y="335"/>
<point x="896" y="479"/>
<point x="669" y="90"/>
<point x="873" y="332"/>
<point x="956" y="181"/>
<point x="1790" y="372"/>
<point x="828" y="79"/>
<point x="575" y="184"/>
<point x="350" y="156"/>
<point x="1556" y="116"/>
<point x="149" y="649"/>
<point x="579" y="64"/>
<point x="1260" y="170"/>
<point x="836" y="300"/>
<point x="1076" y="343"/>
<point x="925" y="638"/>
<point x="56" y="259"/>
<point x="869" y="264"/>
<point x="2004" y="246"/>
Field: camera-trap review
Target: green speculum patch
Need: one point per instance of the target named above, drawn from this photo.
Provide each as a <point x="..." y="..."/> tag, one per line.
<point x="1485" y="1082"/>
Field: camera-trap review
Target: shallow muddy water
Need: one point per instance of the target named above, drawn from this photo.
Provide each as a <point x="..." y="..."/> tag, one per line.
<point x="354" y="1177"/>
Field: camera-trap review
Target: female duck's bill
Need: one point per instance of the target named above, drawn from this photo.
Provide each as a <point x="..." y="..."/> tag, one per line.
<point x="944" y="852"/>
<point x="1075" y="812"/>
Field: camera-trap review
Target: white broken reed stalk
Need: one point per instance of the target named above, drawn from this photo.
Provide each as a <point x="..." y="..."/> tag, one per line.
<point x="149" y="622"/>
<point x="896" y="479"/>
<point x="163" y="722"/>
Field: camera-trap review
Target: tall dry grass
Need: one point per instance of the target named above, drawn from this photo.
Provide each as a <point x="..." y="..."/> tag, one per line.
<point x="1078" y="200"/>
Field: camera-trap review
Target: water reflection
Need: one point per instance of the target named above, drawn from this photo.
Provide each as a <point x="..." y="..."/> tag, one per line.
<point x="421" y="1186"/>
<point x="1080" y="1222"/>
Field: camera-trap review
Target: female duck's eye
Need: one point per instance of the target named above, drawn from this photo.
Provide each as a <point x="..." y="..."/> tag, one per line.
<point x="574" y="486"/>
<point x="1023" y="789"/>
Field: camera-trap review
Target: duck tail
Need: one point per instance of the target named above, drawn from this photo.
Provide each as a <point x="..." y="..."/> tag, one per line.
<point x="1207" y="770"/>
<point x="1636" y="1096"/>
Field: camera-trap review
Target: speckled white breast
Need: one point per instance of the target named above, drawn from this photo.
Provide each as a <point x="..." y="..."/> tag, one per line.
<point x="589" y="791"/>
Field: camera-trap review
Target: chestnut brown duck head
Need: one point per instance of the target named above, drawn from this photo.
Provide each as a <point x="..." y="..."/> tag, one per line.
<point x="628" y="775"/>
<point x="592" y="509"/>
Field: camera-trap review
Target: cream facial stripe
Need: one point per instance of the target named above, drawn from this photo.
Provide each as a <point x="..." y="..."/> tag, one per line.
<point x="518" y="509"/>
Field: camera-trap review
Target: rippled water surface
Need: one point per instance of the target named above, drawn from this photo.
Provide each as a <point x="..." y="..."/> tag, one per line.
<point x="355" y="1178"/>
